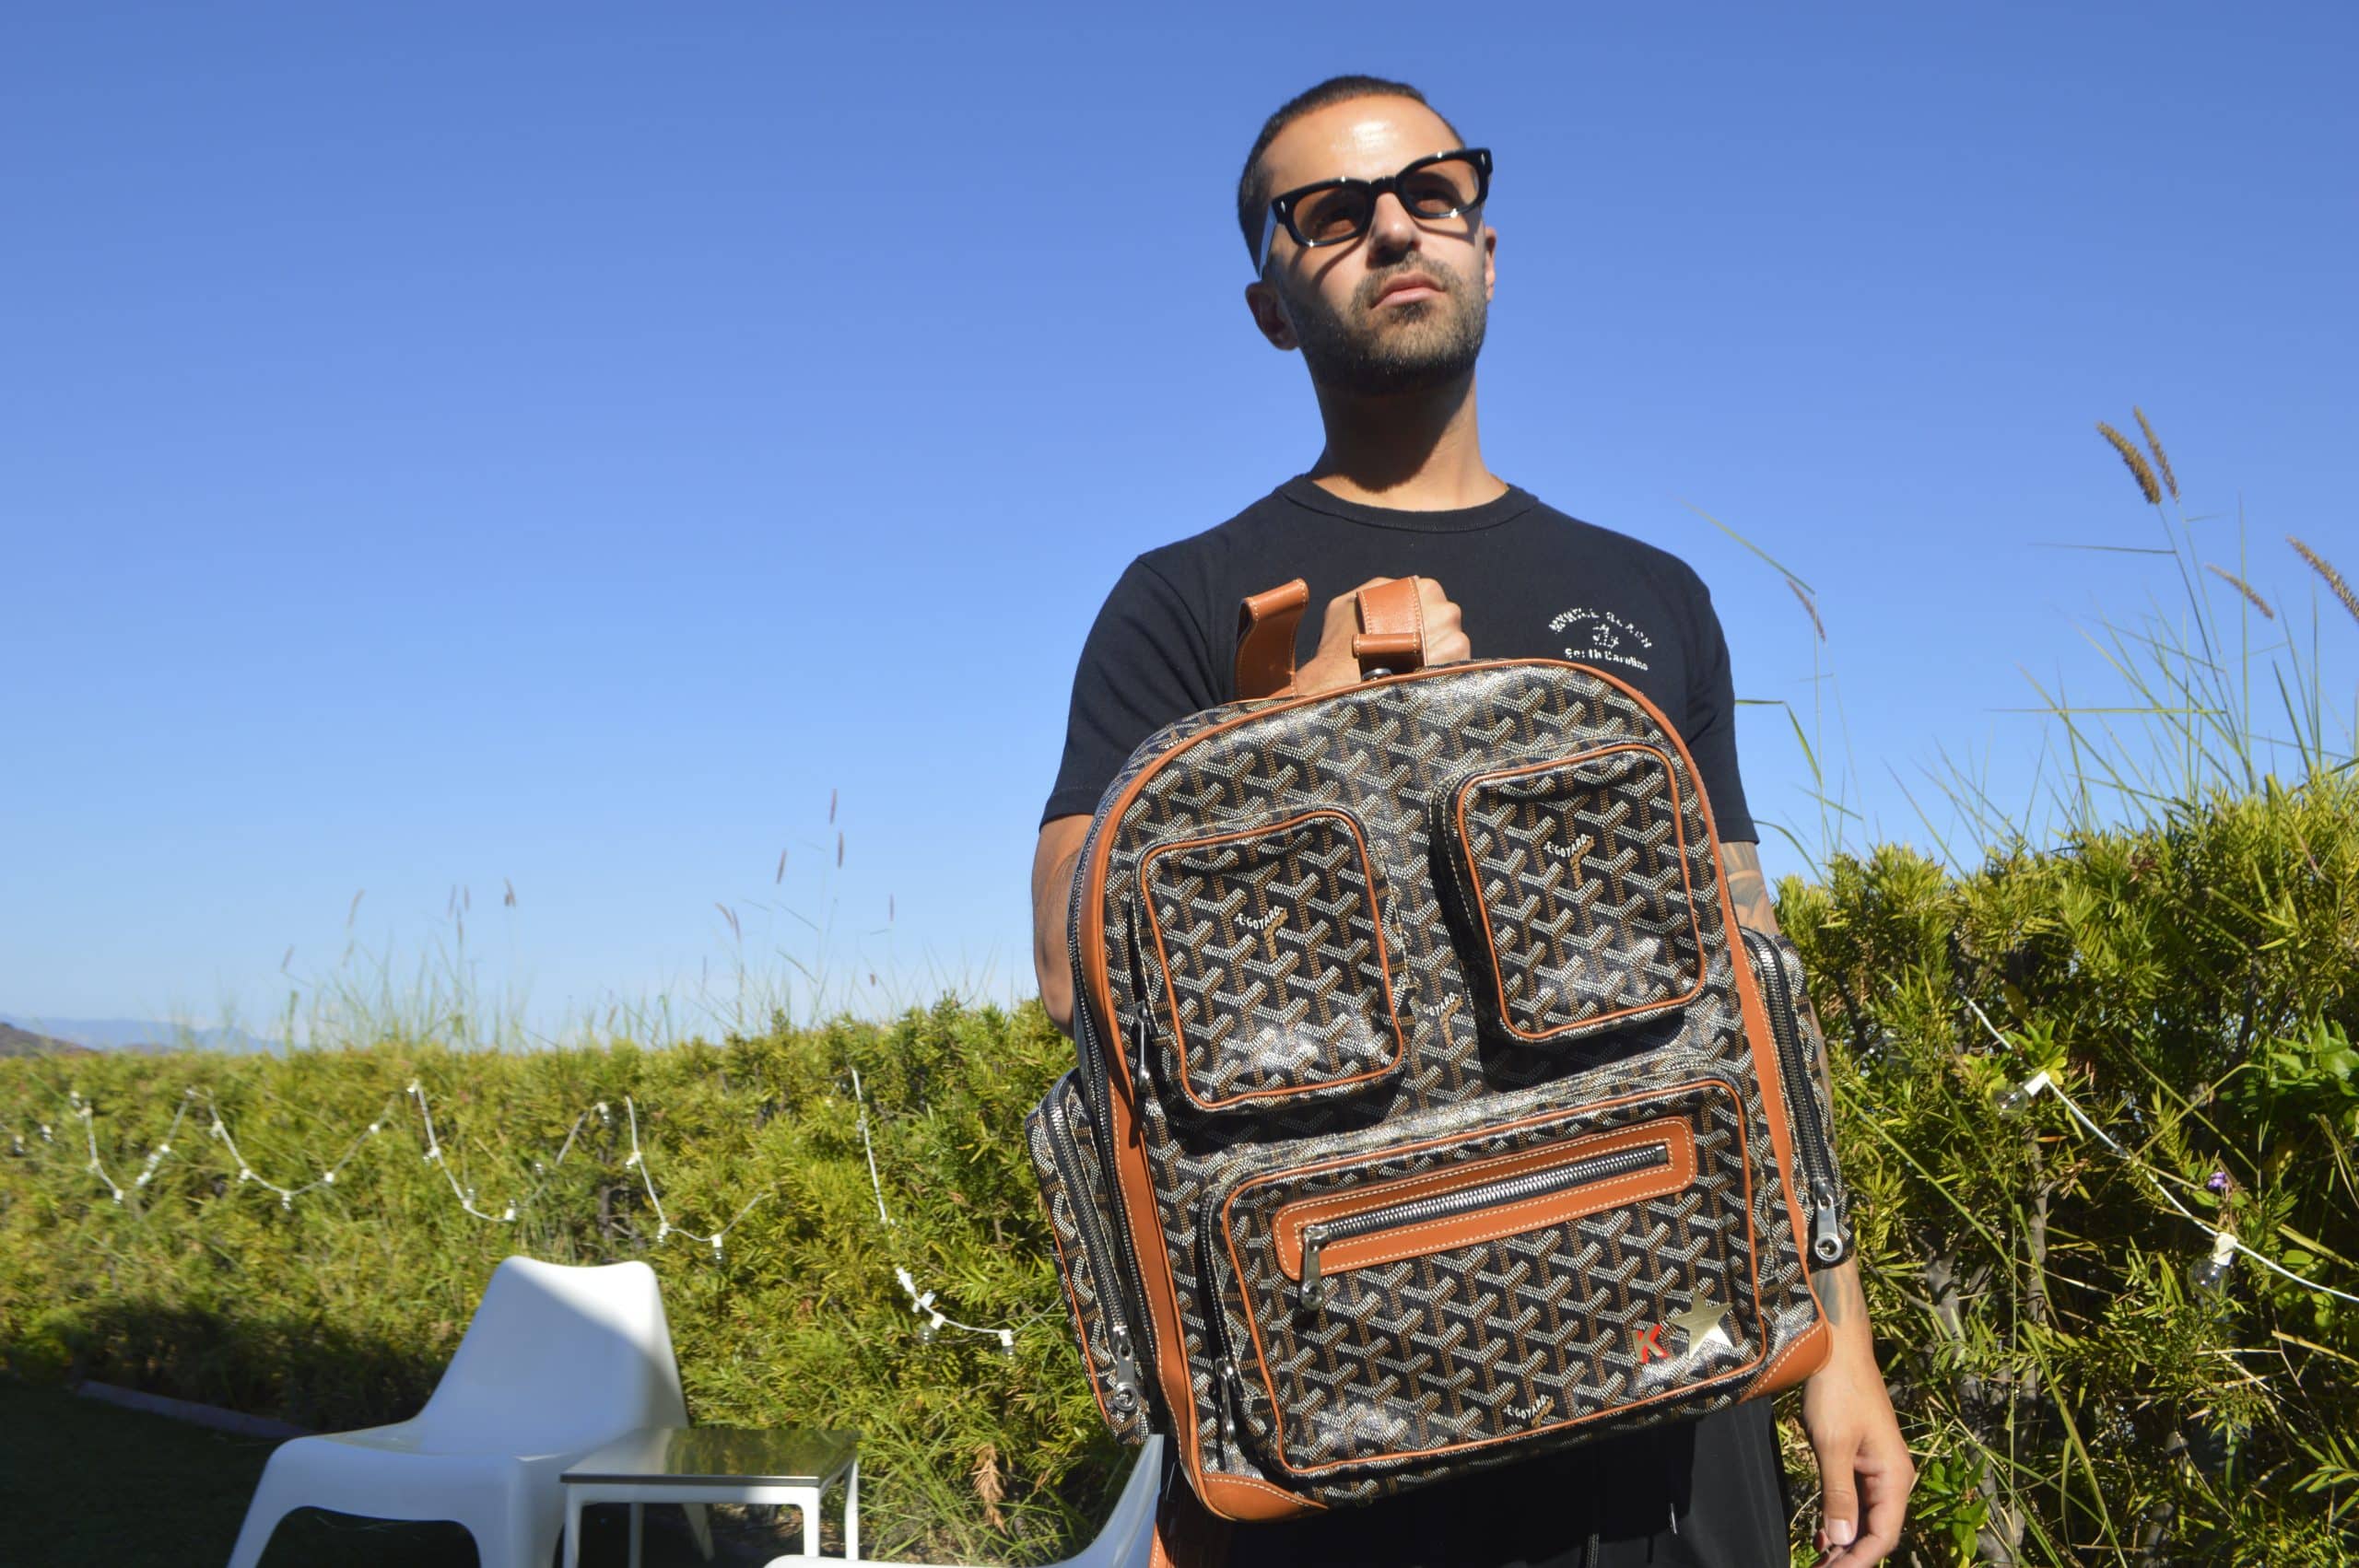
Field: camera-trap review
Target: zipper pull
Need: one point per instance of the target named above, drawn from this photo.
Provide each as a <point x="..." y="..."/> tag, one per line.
<point x="1314" y="1289"/>
<point x="1141" y="1083"/>
<point x="1126" y="1369"/>
<point x="1826" y="1243"/>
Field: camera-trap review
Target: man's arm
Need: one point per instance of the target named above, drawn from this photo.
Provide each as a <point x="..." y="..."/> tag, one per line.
<point x="1861" y="1456"/>
<point x="1052" y="867"/>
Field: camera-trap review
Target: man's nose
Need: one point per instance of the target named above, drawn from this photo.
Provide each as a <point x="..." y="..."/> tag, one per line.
<point x="1391" y="230"/>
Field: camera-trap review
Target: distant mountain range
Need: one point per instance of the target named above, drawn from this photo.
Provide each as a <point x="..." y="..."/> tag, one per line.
<point x="22" y="1035"/>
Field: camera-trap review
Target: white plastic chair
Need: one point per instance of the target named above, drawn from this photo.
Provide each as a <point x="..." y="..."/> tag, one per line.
<point x="557" y="1361"/>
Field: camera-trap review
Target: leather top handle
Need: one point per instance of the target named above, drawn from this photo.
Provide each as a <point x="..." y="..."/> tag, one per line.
<point x="1391" y="639"/>
<point x="1265" y="632"/>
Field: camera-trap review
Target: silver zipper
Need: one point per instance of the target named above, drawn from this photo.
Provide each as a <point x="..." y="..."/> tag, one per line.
<point x="1447" y="1205"/>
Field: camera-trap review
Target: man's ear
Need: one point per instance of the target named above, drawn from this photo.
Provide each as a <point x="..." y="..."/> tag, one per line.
<point x="1490" y="261"/>
<point x="1270" y="315"/>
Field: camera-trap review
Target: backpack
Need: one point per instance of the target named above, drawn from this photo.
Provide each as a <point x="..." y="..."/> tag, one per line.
<point x="1430" y="1108"/>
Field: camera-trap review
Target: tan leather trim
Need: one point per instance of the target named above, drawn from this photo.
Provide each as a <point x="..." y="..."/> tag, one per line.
<point x="1187" y="1534"/>
<point x="1507" y="1219"/>
<point x="1799" y="1361"/>
<point x="1376" y="922"/>
<point x="1266" y="623"/>
<point x="1465" y="857"/>
<point x="1251" y="1501"/>
<point x="1132" y="1179"/>
<point x="1393" y="626"/>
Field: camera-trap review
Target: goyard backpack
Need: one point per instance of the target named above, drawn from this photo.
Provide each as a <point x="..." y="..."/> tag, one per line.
<point x="1431" y="1108"/>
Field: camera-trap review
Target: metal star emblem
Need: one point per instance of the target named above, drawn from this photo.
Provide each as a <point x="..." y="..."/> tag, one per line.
<point x="1702" y="1323"/>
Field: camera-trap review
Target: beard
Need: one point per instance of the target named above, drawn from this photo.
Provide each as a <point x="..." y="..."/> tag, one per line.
<point x="1411" y="347"/>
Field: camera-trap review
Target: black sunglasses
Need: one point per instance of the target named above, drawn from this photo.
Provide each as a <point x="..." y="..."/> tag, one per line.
<point x="1335" y="212"/>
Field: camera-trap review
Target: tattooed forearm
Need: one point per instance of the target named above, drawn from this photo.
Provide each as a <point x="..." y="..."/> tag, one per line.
<point x="1839" y="1293"/>
<point x="1748" y="889"/>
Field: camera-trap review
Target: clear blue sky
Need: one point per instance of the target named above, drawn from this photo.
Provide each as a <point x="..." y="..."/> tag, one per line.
<point x="463" y="445"/>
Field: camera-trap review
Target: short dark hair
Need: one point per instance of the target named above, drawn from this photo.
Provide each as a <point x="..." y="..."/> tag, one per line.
<point x="1253" y="190"/>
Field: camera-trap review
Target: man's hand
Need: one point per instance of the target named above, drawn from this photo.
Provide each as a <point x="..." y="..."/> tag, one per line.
<point x="1332" y="667"/>
<point x="1862" y="1459"/>
<point x="1057" y="855"/>
<point x="1863" y="1463"/>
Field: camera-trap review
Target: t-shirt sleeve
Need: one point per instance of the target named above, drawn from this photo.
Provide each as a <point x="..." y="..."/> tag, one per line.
<point x="1711" y="723"/>
<point x="1147" y="661"/>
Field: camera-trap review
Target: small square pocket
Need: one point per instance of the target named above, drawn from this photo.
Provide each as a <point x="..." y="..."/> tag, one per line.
<point x="1272" y="948"/>
<point x="1572" y="877"/>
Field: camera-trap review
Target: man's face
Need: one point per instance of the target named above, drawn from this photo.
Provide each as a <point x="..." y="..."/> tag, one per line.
<point x="1403" y="307"/>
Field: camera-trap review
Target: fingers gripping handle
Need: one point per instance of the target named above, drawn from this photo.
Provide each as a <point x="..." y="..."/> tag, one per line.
<point x="1391" y="639"/>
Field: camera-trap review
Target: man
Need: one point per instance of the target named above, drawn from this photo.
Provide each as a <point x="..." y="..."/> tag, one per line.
<point x="1363" y="212"/>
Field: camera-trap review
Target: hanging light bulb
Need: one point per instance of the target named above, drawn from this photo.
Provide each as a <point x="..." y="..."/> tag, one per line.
<point x="1007" y="1343"/>
<point x="929" y="1328"/>
<point x="509" y="1214"/>
<point x="2209" y="1276"/>
<point x="2018" y="1098"/>
<point x="716" y="1249"/>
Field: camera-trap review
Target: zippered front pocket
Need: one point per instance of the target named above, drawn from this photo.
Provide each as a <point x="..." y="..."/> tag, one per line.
<point x="1571" y="876"/>
<point x="1321" y="1237"/>
<point x="1081" y="1222"/>
<point x="1387" y="1308"/>
<point x="1276" y="986"/>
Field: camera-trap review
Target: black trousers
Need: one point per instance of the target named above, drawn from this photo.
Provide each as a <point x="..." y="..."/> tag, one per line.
<point x="1707" y="1493"/>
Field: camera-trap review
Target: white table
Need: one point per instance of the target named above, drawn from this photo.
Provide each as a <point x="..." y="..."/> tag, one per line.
<point x="789" y="1466"/>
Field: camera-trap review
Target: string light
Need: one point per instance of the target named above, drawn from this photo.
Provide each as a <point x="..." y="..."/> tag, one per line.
<point x="2225" y="1247"/>
<point x="287" y="1195"/>
<point x="664" y="1225"/>
<point x="217" y="1129"/>
<point x="2210" y="1275"/>
<point x="96" y="1167"/>
<point x="932" y="1320"/>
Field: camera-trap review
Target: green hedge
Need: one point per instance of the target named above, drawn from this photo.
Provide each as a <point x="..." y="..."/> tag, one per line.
<point x="2071" y="1400"/>
<point x="340" y="1310"/>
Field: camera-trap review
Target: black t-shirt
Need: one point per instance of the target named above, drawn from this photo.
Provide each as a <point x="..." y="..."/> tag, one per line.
<point x="1530" y="583"/>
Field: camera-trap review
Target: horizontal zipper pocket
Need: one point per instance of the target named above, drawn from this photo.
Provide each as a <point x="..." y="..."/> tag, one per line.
<point x="1486" y="1284"/>
<point x="1494" y="1197"/>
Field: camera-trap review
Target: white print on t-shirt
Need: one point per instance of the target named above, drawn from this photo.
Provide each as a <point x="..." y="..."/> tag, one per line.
<point x="1601" y="634"/>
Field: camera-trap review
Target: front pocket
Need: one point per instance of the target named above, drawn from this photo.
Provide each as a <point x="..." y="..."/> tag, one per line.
<point x="1081" y="1222"/>
<point x="1391" y="1308"/>
<point x="1571" y="875"/>
<point x="1277" y="986"/>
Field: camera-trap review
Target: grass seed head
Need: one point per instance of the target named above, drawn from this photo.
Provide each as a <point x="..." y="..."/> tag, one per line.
<point x="2137" y="461"/>
<point x="2332" y="578"/>
<point x="2241" y="586"/>
<point x="2162" y="458"/>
